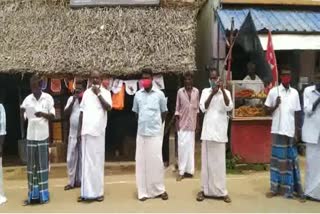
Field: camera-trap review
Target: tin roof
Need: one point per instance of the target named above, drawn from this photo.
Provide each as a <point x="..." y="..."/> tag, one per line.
<point x="279" y="21"/>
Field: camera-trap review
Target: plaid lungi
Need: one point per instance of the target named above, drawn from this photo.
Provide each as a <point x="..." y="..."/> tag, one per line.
<point x="284" y="167"/>
<point x="37" y="169"/>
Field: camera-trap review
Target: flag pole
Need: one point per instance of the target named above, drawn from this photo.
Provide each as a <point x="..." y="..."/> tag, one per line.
<point x="231" y="39"/>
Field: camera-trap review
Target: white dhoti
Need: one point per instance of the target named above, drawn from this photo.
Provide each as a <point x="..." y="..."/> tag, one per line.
<point x="93" y="157"/>
<point x="312" y="188"/>
<point x="3" y="198"/>
<point x="149" y="166"/>
<point x="186" y="151"/>
<point x="74" y="161"/>
<point x="213" y="169"/>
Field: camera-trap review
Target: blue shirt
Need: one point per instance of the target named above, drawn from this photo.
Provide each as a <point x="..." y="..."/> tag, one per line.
<point x="149" y="106"/>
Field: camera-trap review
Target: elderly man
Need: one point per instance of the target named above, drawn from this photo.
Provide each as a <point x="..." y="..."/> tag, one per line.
<point x="151" y="107"/>
<point x="311" y="135"/>
<point x="187" y="109"/>
<point x="39" y="108"/>
<point x="215" y="102"/>
<point x="96" y="101"/>
<point x="3" y="132"/>
<point x="284" y="104"/>
<point x="72" y="110"/>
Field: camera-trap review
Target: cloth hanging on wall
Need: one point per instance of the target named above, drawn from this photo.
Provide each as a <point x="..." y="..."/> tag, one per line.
<point x="117" y="86"/>
<point x="158" y="82"/>
<point x="44" y="83"/>
<point x="56" y="85"/>
<point x="118" y="99"/>
<point x="131" y="86"/>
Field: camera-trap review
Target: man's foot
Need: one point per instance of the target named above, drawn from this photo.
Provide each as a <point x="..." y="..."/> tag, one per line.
<point x="77" y="185"/>
<point x="227" y="199"/>
<point x="271" y="194"/>
<point x="164" y="196"/>
<point x="100" y="199"/>
<point x="44" y="202"/>
<point x="68" y="187"/>
<point x="188" y="175"/>
<point x="80" y="199"/>
<point x="143" y="199"/>
<point x="302" y="199"/>
<point x="200" y="196"/>
<point x="26" y="203"/>
<point x="180" y="177"/>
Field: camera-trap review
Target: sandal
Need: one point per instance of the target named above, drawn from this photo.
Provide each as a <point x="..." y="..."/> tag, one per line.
<point x="100" y="199"/>
<point x="143" y="199"/>
<point x="227" y="199"/>
<point x="80" y="199"/>
<point x="180" y="177"/>
<point x="164" y="196"/>
<point x="68" y="187"/>
<point x="271" y="194"/>
<point x="200" y="196"/>
<point x="188" y="175"/>
<point x="26" y="203"/>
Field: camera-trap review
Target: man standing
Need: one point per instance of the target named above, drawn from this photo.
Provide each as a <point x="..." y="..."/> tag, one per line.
<point x="252" y="76"/>
<point x="39" y="108"/>
<point x="187" y="109"/>
<point x="151" y="107"/>
<point x="283" y="103"/>
<point x="96" y="101"/>
<point x="215" y="102"/>
<point x="3" y="132"/>
<point x="311" y="135"/>
<point x="72" y="110"/>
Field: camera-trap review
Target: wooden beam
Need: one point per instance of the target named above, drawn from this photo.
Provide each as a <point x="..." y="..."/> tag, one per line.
<point x="274" y="2"/>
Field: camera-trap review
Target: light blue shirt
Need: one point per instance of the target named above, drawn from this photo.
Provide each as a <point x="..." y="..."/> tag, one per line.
<point x="149" y="106"/>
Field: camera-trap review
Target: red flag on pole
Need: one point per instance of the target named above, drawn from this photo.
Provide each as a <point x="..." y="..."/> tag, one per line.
<point x="271" y="59"/>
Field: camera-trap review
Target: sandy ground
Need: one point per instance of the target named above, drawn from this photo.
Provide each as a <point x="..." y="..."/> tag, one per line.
<point x="246" y="190"/>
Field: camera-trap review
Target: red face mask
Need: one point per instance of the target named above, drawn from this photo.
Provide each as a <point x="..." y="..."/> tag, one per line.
<point x="146" y="83"/>
<point x="285" y="80"/>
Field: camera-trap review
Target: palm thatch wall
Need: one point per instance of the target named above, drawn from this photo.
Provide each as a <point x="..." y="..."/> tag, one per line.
<point x="52" y="39"/>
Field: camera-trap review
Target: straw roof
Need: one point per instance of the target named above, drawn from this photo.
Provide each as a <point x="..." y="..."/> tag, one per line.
<point x="53" y="39"/>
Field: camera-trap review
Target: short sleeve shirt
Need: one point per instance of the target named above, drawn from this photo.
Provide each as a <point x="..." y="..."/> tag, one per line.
<point x="38" y="128"/>
<point x="74" y="117"/>
<point x="283" y="118"/>
<point x="149" y="106"/>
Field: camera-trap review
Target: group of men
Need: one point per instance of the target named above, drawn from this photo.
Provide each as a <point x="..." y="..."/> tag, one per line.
<point x="87" y="110"/>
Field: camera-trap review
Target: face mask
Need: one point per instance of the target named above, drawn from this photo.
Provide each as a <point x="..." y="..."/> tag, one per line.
<point x="146" y="83"/>
<point x="213" y="84"/>
<point x="285" y="80"/>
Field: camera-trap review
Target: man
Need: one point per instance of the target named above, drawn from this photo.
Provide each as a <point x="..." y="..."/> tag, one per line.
<point x="151" y="107"/>
<point x="215" y="103"/>
<point x="72" y="110"/>
<point x="311" y="136"/>
<point x="284" y="104"/>
<point x="39" y="108"/>
<point x="96" y="101"/>
<point x="254" y="83"/>
<point x="3" y="132"/>
<point x="187" y="109"/>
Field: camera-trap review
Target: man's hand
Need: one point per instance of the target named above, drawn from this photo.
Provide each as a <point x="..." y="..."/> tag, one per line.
<point x="177" y="122"/>
<point x="96" y="90"/>
<point x="220" y="84"/>
<point x="215" y="90"/>
<point x="278" y="101"/>
<point x="39" y="114"/>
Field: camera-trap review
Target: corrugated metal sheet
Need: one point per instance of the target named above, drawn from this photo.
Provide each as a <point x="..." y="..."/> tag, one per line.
<point x="284" y="21"/>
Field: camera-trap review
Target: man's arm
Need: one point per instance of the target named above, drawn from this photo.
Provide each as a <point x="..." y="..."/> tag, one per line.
<point x="208" y="101"/>
<point x="47" y="116"/>
<point x="106" y="106"/>
<point x="163" y="116"/>
<point x="315" y="104"/>
<point x="80" y="127"/>
<point x="68" y="109"/>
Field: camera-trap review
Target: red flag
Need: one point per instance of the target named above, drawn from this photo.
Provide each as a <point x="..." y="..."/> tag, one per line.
<point x="271" y="59"/>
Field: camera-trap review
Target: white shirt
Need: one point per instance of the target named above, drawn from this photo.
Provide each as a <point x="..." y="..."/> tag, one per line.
<point x="255" y="85"/>
<point x="95" y="117"/>
<point x="283" y="118"/>
<point x="74" y="117"/>
<point x="38" y="127"/>
<point x="3" y="130"/>
<point x="215" y="122"/>
<point x="311" y="125"/>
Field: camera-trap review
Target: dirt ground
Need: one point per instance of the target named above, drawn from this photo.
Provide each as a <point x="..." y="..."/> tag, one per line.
<point x="246" y="190"/>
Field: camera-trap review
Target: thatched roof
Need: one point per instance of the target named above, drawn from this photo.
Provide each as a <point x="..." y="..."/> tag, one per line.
<point x="54" y="39"/>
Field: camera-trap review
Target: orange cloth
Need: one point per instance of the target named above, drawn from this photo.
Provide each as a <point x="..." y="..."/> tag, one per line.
<point x="56" y="85"/>
<point x="118" y="99"/>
